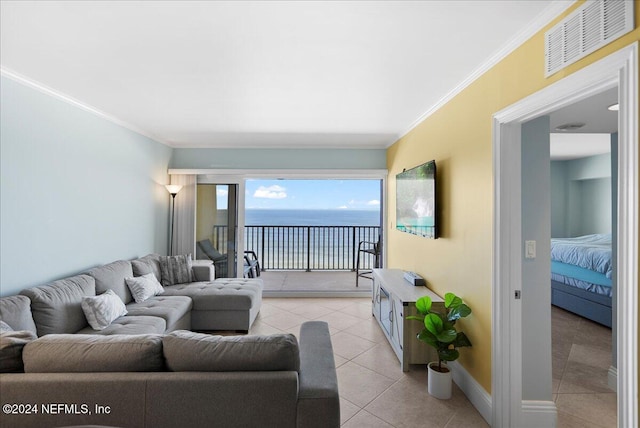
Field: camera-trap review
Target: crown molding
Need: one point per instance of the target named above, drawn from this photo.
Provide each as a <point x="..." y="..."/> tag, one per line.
<point x="540" y="21"/>
<point x="10" y="74"/>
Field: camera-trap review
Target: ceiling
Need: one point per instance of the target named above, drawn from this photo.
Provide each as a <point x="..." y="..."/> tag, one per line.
<point x="355" y="74"/>
<point x="593" y="138"/>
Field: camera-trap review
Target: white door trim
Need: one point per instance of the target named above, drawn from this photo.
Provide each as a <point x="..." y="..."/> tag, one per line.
<point x="618" y="69"/>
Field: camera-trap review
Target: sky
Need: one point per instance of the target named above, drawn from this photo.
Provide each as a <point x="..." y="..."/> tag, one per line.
<point x="313" y="194"/>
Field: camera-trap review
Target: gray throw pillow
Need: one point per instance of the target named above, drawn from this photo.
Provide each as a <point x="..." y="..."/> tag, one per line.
<point x="11" y="346"/>
<point x="176" y="269"/>
<point x="188" y="351"/>
<point x="147" y="264"/>
<point x="4" y="327"/>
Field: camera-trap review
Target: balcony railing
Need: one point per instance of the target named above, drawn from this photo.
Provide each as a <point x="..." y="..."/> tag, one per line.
<point x="305" y="247"/>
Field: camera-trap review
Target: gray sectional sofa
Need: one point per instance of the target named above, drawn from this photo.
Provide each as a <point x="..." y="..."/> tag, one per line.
<point x="148" y="368"/>
<point x="181" y="379"/>
<point x="204" y="304"/>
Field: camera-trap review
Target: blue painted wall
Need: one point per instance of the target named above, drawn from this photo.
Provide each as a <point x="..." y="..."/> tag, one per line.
<point x="279" y="159"/>
<point x="581" y="196"/>
<point x="76" y="190"/>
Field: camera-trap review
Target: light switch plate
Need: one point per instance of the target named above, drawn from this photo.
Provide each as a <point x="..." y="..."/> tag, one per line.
<point x="529" y="249"/>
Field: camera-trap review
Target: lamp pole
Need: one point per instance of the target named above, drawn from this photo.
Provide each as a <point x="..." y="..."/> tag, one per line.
<point x="173" y="189"/>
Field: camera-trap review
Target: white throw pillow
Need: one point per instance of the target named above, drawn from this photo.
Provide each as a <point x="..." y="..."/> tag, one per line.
<point x="103" y="309"/>
<point x="143" y="287"/>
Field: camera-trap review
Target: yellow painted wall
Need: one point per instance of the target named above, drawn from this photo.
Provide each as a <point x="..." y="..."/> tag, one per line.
<point x="459" y="137"/>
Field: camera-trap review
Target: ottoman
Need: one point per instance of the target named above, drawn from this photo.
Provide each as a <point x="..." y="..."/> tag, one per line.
<point x="222" y="304"/>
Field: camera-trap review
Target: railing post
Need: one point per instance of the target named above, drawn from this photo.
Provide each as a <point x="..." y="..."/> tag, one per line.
<point x="308" y="248"/>
<point x="262" y="266"/>
<point x="353" y="247"/>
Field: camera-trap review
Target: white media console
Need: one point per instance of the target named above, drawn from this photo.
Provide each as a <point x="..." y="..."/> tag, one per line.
<point x="394" y="299"/>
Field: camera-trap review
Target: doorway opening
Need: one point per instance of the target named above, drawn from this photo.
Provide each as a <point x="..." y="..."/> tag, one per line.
<point x="510" y="408"/>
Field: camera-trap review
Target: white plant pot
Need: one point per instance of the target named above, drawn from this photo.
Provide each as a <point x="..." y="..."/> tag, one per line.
<point x="439" y="384"/>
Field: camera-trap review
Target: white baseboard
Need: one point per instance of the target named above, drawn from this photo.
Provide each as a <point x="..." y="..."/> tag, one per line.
<point x="537" y="414"/>
<point x="612" y="378"/>
<point x="476" y="394"/>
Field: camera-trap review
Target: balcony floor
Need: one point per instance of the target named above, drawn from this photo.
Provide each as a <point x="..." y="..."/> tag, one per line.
<point x="296" y="283"/>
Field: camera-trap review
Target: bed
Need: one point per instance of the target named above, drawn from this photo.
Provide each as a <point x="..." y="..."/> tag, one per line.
<point x="581" y="270"/>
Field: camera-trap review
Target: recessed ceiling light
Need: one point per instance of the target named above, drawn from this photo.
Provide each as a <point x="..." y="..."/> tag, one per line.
<point x="613" y="107"/>
<point x="570" y="126"/>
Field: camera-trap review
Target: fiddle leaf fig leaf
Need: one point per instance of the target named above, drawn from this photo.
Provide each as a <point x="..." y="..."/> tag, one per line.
<point x="458" y="312"/>
<point x="433" y="324"/>
<point x="423" y="305"/>
<point x="461" y="340"/>
<point x="451" y="300"/>
<point x="449" y="354"/>
<point x="447" y="336"/>
<point x="428" y="338"/>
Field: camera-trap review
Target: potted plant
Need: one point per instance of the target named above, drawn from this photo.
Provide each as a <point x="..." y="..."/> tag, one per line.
<point x="440" y="332"/>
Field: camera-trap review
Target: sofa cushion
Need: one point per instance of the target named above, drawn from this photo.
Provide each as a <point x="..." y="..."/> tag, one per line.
<point x="188" y="351"/>
<point x="170" y="308"/>
<point x="73" y="353"/>
<point x="223" y="294"/>
<point x="143" y="287"/>
<point x="147" y="264"/>
<point x="176" y="269"/>
<point x="56" y="306"/>
<point x="131" y="325"/>
<point x="102" y="310"/>
<point x="16" y="312"/>
<point x="111" y="277"/>
<point x="11" y="346"/>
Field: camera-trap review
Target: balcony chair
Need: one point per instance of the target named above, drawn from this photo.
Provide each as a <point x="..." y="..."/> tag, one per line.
<point x="251" y="264"/>
<point x="205" y="249"/>
<point x="368" y="248"/>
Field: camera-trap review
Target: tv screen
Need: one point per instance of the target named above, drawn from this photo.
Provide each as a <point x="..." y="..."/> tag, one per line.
<point x="416" y="201"/>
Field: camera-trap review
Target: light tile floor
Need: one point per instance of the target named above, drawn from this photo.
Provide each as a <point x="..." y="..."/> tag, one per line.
<point x="374" y="392"/>
<point x="582" y="353"/>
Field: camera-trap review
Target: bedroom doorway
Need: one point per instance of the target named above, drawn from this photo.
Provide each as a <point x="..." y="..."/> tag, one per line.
<point x="509" y="406"/>
<point x="583" y="159"/>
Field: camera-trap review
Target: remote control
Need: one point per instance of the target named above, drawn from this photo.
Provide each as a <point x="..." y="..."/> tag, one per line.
<point x="413" y="278"/>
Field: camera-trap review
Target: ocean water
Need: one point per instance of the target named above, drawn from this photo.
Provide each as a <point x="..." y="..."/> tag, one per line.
<point x="266" y="217"/>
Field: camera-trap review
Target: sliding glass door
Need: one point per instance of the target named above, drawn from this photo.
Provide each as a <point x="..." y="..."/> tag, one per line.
<point x="217" y="226"/>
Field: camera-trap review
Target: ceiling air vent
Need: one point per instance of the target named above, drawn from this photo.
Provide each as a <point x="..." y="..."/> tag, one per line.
<point x="591" y="26"/>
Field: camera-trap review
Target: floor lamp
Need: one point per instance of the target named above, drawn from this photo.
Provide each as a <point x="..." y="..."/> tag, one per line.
<point x="173" y="189"/>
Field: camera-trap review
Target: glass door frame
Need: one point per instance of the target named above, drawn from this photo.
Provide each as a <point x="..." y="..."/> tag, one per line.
<point x="239" y="181"/>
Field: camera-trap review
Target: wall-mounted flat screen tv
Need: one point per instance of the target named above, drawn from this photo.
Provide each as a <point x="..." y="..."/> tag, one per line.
<point x="416" y="201"/>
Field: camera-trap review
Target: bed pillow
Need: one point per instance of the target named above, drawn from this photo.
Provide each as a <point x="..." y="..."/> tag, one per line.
<point x="176" y="269"/>
<point x="143" y="287"/>
<point x="11" y="346"/>
<point x="102" y="310"/>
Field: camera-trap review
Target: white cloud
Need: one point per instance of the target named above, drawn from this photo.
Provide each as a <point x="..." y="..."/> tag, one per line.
<point x="373" y="202"/>
<point x="343" y="207"/>
<point x="271" y="192"/>
<point x="222" y="192"/>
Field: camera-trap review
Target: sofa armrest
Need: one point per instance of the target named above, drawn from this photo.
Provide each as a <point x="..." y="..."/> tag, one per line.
<point x="203" y="270"/>
<point x="318" y="399"/>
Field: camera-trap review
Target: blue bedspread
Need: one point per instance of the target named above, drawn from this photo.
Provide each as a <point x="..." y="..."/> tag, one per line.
<point x="591" y="252"/>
